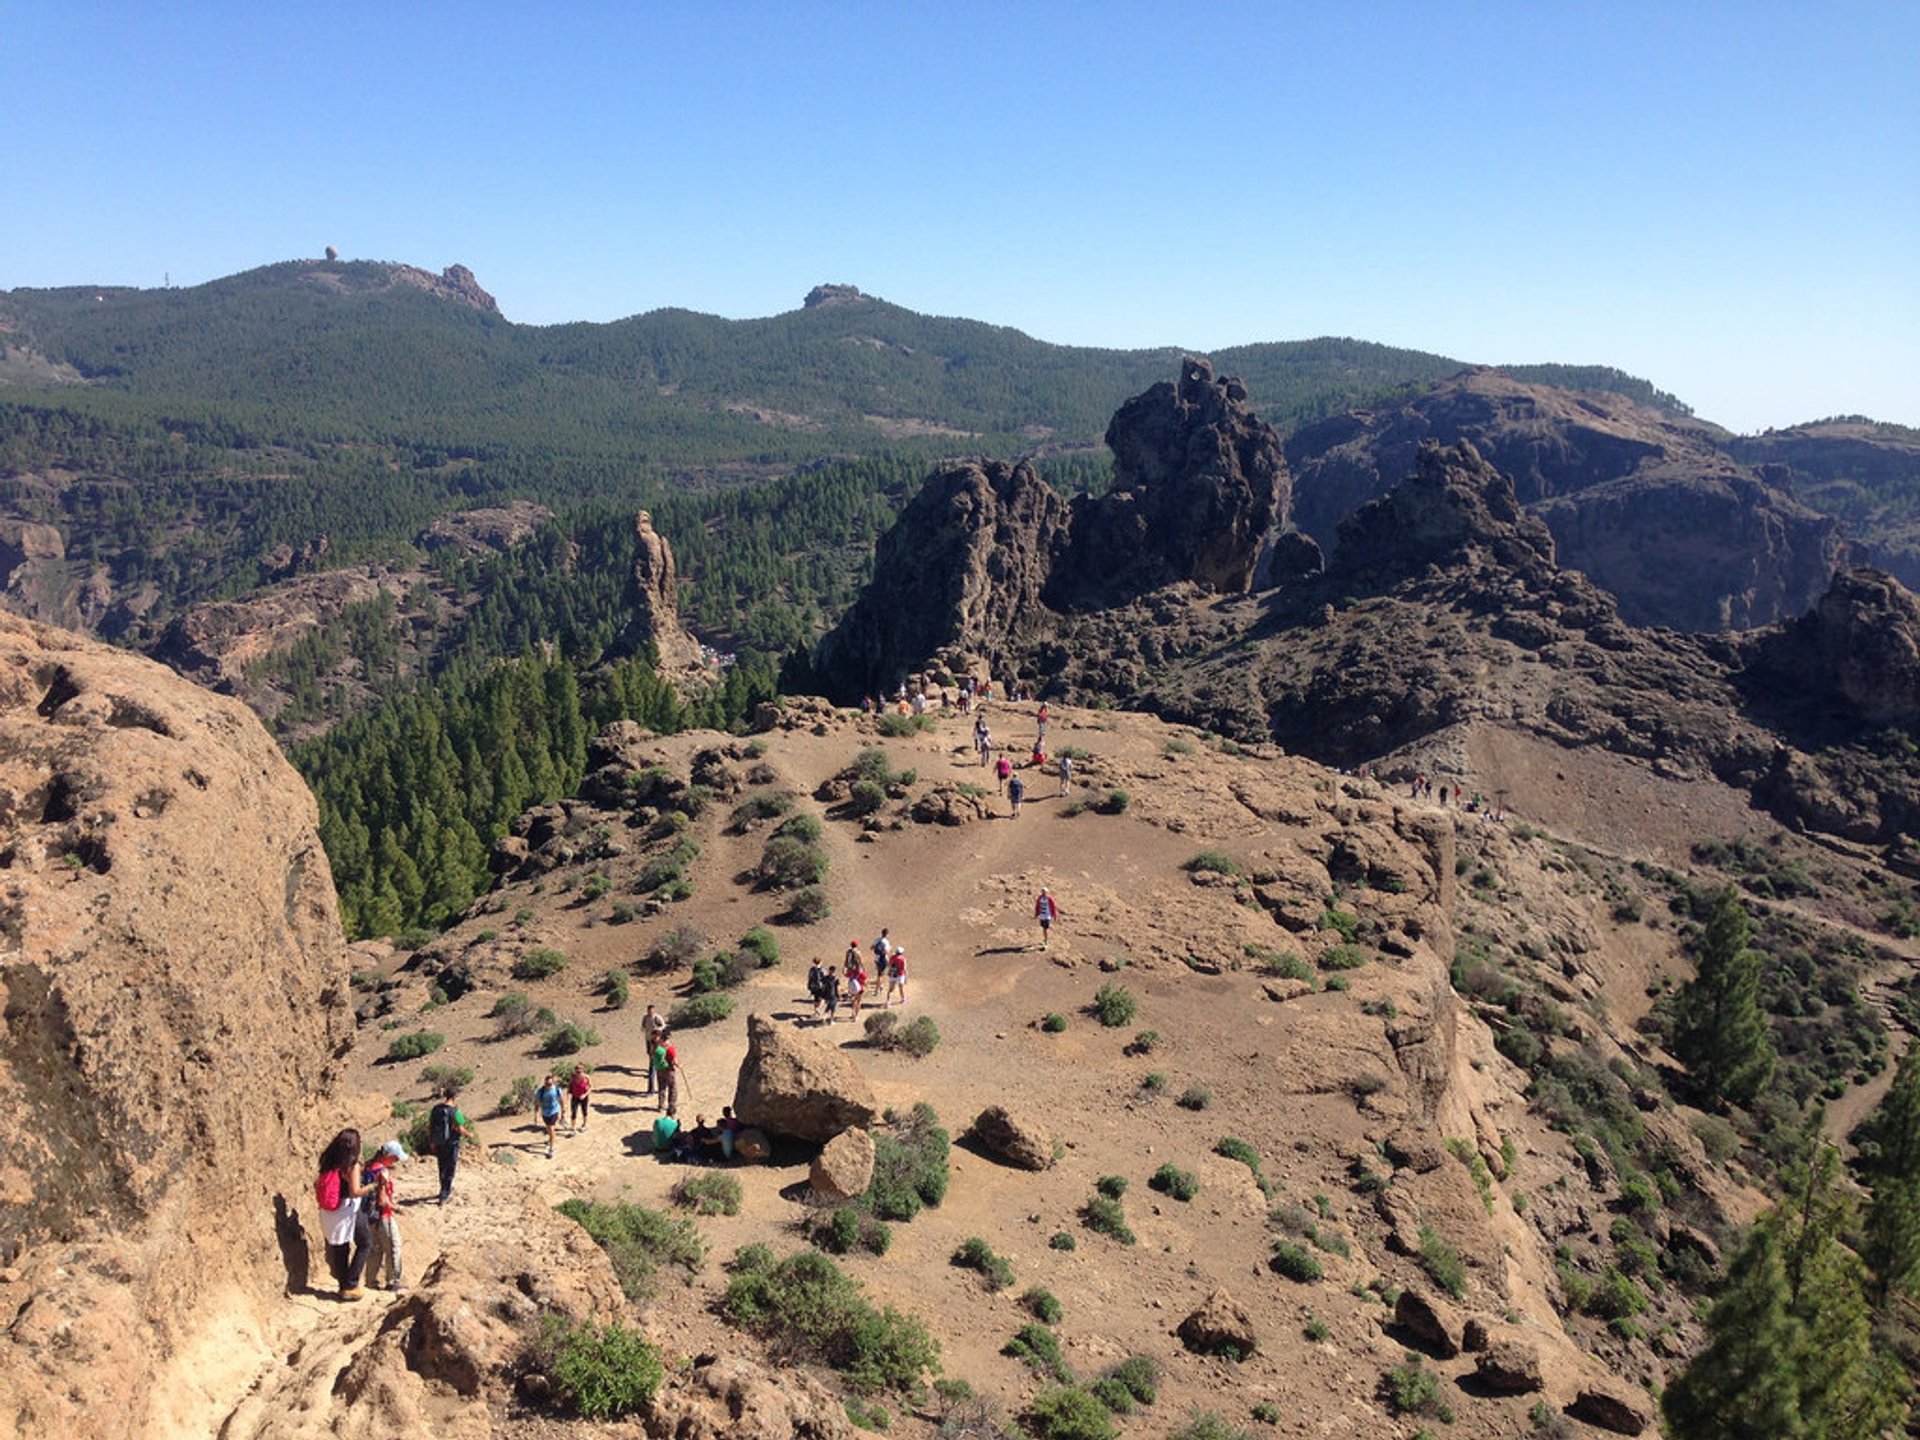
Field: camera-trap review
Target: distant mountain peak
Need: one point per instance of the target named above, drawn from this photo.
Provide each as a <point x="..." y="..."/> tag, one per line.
<point x="833" y="295"/>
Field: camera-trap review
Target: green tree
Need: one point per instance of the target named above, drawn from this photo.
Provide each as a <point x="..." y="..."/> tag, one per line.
<point x="1890" y="1162"/>
<point x="1722" y="1035"/>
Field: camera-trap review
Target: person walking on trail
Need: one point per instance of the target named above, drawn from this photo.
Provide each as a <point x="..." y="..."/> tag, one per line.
<point x="882" y="950"/>
<point x="445" y="1128"/>
<point x="666" y="1061"/>
<point x="652" y="1026"/>
<point x="1046" y="910"/>
<point x="339" y="1190"/>
<point x="1016" y="792"/>
<point x="817" y="984"/>
<point x="1066" y="773"/>
<point x="384" y="1252"/>
<point x="856" y="980"/>
<point x="546" y="1101"/>
<point x="982" y="739"/>
<point x="896" y="977"/>
<point x="1003" y="769"/>
<point x="1041" y="722"/>
<point x="578" y="1089"/>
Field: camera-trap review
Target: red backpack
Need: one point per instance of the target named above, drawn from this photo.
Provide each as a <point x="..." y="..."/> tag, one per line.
<point x="326" y="1190"/>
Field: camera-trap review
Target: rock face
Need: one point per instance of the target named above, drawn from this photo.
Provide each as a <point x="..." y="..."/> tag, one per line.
<point x="844" y="1167"/>
<point x="167" y="927"/>
<point x="1454" y="509"/>
<point x="735" y="1399"/>
<point x="1650" y="506"/>
<point x="792" y="1084"/>
<point x="1859" y="648"/>
<point x="654" y="597"/>
<point x="1016" y="1139"/>
<point x="986" y="559"/>
<point x="1220" y="1324"/>
<point x="1509" y="1367"/>
<point x="485" y="529"/>
<point x="1613" y="1407"/>
<point x="1430" y="1319"/>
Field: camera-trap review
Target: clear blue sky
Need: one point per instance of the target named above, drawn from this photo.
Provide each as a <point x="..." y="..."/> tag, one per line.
<point x="1724" y="198"/>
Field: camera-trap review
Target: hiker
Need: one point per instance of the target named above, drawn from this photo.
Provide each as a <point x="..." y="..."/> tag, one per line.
<point x="1041" y="721"/>
<point x="546" y="1101"/>
<point x="1046" y="910"/>
<point x="445" y="1127"/>
<point x="1002" y="768"/>
<point x="664" y="1131"/>
<point x="857" y="979"/>
<point x="1066" y="773"/>
<point x="384" y="1252"/>
<point x="896" y="977"/>
<point x="702" y="1141"/>
<point x="666" y="1060"/>
<point x="1443" y="795"/>
<point x="832" y="983"/>
<point x="339" y="1189"/>
<point x="881" y="947"/>
<point x="1039" y="756"/>
<point x="730" y="1127"/>
<point x="817" y="984"/>
<point x="1016" y="792"/>
<point x="982" y="739"/>
<point x="652" y="1026"/>
<point x="577" y="1090"/>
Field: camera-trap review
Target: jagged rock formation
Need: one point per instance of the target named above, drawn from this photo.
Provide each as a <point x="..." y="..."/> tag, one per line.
<point x="654" y="595"/>
<point x="1454" y="509"/>
<point x="1651" y="508"/>
<point x="175" y="986"/>
<point x="1859" y="648"/>
<point x="485" y="529"/>
<point x="831" y="295"/>
<point x="1848" y="467"/>
<point x="456" y="283"/>
<point x="987" y="558"/>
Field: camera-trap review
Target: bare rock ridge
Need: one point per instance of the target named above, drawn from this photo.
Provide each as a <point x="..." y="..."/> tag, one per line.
<point x="1859" y="648"/>
<point x="654" y="597"/>
<point x="1651" y="507"/>
<point x="987" y="557"/>
<point x="175" y="982"/>
<point x="456" y="283"/>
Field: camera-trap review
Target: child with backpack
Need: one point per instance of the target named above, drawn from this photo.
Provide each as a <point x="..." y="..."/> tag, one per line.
<point x="445" y="1127"/>
<point x="384" y="1252"/>
<point x="338" y="1190"/>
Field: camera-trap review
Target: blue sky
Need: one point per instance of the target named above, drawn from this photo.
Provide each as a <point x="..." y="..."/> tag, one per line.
<point x="1723" y="198"/>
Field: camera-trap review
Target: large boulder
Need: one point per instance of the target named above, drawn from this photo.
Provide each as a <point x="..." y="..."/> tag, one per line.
<point x="1016" y="1138"/>
<point x="792" y="1084"/>
<point x="1431" y="1320"/>
<point x="176" y="993"/>
<point x="844" y="1166"/>
<point x="1613" y="1407"/>
<point x="1220" y="1326"/>
<point x="1510" y="1366"/>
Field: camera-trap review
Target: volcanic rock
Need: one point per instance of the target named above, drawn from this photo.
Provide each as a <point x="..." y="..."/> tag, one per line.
<point x="1859" y="647"/>
<point x="732" y="1398"/>
<point x="844" y="1167"/>
<point x="792" y="1084"/>
<point x="1509" y="1367"/>
<point x="1017" y="1139"/>
<point x="653" y="595"/>
<point x="1220" y="1324"/>
<point x="1431" y="1319"/>
<point x="1614" y="1408"/>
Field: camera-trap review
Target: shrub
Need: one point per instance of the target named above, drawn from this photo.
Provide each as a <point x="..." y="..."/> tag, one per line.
<point x="639" y="1242"/>
<point x="807" y="1306"/>
<point x="616" y="988"/>
<point x="1208" y="1425"/>
<point x="865" y="797"/>
<point x="569" y="1039"/>
<point x="1153" y="1082"/>
<point x="919" y="1037"/>
<point x="1342" y="957"/>
<point x="896" y="726"/>
<point x="680" y="946"/>
<point x="1114" y="1006"/>
<point x="1144" y="1042"/>
<point x="762" y="945"/>
<point x="721" y="971"/>
<point x="1061" y="1240"/>
<point x="1111" y="1186"/>
<point x="1296" y="1262"/>
<point x="1315" y="1329"/>
<point x="1043" y="1304"/>
<point x="440" y="1077"/>
<point x="621" y="914"/>
<point x="1342" y="922"/>
<point x="596" y="888"/>
<point x="1039" y="1348"/>
<point x="1116" y="803"/>
<point x="1066" y="1412"/>
<point x="1443" y="1263"/>
<point x="867" y="1414"/>
<point x="847" y="1228"/>
<point x="804" y="828"/>
<point x="789" y="863"/>
<point x="1141" y="1375"/>
<point x="538" y="964"/>
<point x="1053" y="1022"/>
<point x="709" y="1194"/>
<point x="1236" y="1149"/>
<point x="761" y="805"/>
<point x="517" y="1099"/>
<point x="1195" y="1097"/>
<point x="807" y="907"/>
<point x="600" y="1371"/>
<point x="1213" y="862"/>
<point x="700" y="1010"/>
<point x="1112" y="1394"/>
<point x="1411" y="1388"/>
<point x="1170" y="1180"/>
<point x="1281" y="967"/>
<point x="419" y="1043"/>
<point x="909" y="1164"/>
<point x="975" y="1254"/>
<point x="1265" y="1411"/>
<point x="1104" y="1216"/>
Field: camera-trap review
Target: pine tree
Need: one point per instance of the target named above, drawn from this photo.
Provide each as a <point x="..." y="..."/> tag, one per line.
<point x="1722" y="1035"/>
<point x="1890" y="1161"/>
<point x="1738" y="1387"/>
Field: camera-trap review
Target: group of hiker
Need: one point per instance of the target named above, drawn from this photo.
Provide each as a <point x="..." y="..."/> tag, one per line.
<point x="850" y="984"/>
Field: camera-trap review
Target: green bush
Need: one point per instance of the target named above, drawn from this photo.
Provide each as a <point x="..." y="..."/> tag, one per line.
<point x="1265" y="1411"/>
<point x="761" y="805"/>
<point x="1141" y="1375"/>
<point x="601" y="1372"/>
<point x="569" y="1039"/>
<point x="596" y="888"/>
<point x="896" y="726"/>
<point x="1153" y="1082"/>
<point x="679" y="947"/>
<point x="1144" y="1042"/>
<point x="708" y="1194"/>
<point x="517" y="1099"/>
<point x="762" y="945"/>
<point x="439" y="1078"/>
<point x="807" y="1306"/>
<point x="847" y="1228"/>
<point x="910" y="1166"/>
<point x="1043" y="1304"/>
<point x="975" y="1254"/>
<point x="1116" y="803"/>
<point x="1061" y="1240"/>
<point x="1104" y="1216"/>
<point x="1195" y="1097"/>
<point x="1213" y="862"/>
<point x="1066" y="1412"/>
<point x="1296" y="1262"/>
<point x="1053" y="1022"/>
<point x="789" y="863"/>
<point x="419" y="1043"/>
<point x="1170" y="1180"/>
<point x="639" y="1242"/>
<point x="806" y="907"/>
<point x="721" y="971"/>
<point x="700" y="1010"/>
<point x="616" y="988"/>
<point x="1288" y="966"/>
<point x="1115" y="1006"/>
<point x="1111" y="1186"/>
<point x="1342" y="957"/>
<point x="1234" y="1148"/>
<point x="1315" y="1329"/>
<point x="1112" y="1394"/>
<point x="1208" y="1425"/>
<point x="804" y="828"/>
<point x="1342" y="922"/>
<point x="539" y="963"/>
<point x="1443" y="1263"/>
<point x="919" y="1037"/>
<point x="867" y="1414"/>
<point x="1411" y="1388"/>
<point x="1039" y="1348"/>
<point x="865" y="797"/>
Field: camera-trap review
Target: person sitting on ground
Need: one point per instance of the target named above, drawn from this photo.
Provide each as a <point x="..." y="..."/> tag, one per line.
<point x="1039" y="755"/>
<point x="730" y="1128"/>
<point x="703" y="1141"/>
<point x="664" y="1130"/>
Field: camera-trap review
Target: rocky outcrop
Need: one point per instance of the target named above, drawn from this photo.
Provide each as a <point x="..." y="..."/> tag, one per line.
<point x="1613" y="1407"/>
<point x="485" y="529"/>
<point x="1017" y="1139"/>
<point x="655" y="601"/>
<point x="167" y="926"/>
<point x="792" y="1084"/>
<point x="735" y="1399"/>
<point x="455" y="283"/>
<point x="1859" y="648"/>
<point x="1221" y="1325"/>
<point x="1453" y="510"/>
<point x="1648" y="505"/>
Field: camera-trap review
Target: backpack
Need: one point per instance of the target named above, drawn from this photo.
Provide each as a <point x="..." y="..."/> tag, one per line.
<point x="440" y="1128"/>
<point x="326" y="1190"/>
